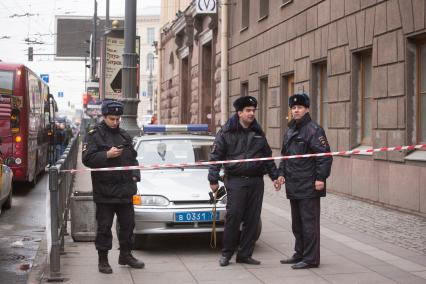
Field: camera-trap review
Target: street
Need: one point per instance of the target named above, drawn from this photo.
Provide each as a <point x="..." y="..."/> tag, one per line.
<point x="360" y="243"/>
<point x="21" y="231"/>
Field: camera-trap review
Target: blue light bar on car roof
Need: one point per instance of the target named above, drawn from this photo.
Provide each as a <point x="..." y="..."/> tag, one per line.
<point x="158" y="128"/>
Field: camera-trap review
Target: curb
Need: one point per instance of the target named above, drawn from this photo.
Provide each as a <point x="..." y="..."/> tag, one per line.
<point x="39" y="264"/>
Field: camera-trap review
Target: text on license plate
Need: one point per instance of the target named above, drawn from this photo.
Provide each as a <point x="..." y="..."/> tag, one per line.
<point x="204" y="216"/>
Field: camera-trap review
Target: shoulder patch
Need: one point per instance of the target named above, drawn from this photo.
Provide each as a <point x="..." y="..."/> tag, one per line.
<point x="92" y="131"/>
<point x="323" y="141"/>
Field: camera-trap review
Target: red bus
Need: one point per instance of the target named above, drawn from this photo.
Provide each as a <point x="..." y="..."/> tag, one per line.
<point x="24" y="124"/>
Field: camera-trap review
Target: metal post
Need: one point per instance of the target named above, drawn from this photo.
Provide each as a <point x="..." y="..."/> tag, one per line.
<point x="55" y="260"/>
<point x="107" y="26"/>
<point x="129" y="98"/>
<point x="95" y="18"/>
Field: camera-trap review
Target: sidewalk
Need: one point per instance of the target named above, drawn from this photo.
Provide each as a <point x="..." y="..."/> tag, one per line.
<point x="354" y="249"/>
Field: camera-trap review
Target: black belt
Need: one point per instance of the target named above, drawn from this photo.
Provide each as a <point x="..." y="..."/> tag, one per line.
<point x="232" y="176"/>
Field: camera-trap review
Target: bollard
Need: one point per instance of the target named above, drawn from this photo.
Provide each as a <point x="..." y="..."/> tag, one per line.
<point x="55" y="260"/>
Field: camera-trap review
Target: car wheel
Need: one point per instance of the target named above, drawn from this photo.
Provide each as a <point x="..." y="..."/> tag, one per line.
<point x="259" y="229"/>
<point x="140" y="241"/>
<point x="8" y="203"/>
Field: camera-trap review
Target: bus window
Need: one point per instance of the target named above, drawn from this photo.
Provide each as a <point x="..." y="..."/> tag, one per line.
<point x="6" y="87"/>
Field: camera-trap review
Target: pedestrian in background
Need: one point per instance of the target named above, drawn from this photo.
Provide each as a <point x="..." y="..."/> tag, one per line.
<point x="108" y="145"/>
<point x="242" y="138"/>
<point x="60" y="138"/>
<point x="305" y="181"/>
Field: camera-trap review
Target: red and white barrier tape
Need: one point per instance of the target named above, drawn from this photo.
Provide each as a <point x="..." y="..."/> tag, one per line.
<point x="182" y="165"/>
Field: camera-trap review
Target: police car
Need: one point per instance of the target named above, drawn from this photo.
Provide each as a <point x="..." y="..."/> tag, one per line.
<point x="174" y="200"/>
<point x="6" y="176"/>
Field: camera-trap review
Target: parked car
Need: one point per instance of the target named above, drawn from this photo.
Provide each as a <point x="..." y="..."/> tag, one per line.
<point x="6" y="175"/>
<point x="174" y="200"/>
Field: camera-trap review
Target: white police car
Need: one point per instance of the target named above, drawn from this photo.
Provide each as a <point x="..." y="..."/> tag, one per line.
<point x="6" y="175"/>
<point x="174" y="200"/>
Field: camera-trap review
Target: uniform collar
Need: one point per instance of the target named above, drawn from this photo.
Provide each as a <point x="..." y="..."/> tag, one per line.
<point x="301" y="122"/>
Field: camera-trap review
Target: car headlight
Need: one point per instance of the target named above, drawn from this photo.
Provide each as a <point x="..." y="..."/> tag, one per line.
<point x="151" y="200"/>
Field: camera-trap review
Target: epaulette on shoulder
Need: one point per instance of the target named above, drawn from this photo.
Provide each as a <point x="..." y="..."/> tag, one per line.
<point x="91" y="131"/>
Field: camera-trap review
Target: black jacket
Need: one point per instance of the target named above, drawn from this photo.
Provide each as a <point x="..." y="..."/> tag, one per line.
<point x="304" y="137"/>
<point x="235" y="142"/>
<point x="110" y="186"/>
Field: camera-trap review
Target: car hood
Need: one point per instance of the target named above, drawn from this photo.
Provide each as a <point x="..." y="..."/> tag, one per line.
<point x="176" y="184"/>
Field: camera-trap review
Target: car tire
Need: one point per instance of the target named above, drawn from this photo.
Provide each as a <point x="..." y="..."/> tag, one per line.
<point x="139" y="241"/>
<point x="8" y="203"/>
<point x="259" y="230"/>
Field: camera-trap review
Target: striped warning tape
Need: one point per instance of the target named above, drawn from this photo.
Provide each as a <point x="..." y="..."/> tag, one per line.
<point x="182" y="165"/>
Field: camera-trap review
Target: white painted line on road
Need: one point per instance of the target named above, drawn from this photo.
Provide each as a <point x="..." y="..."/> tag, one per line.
<point x="389" y="258"/>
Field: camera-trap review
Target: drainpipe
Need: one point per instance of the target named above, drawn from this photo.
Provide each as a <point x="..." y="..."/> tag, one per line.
<point x="224" y="62"/>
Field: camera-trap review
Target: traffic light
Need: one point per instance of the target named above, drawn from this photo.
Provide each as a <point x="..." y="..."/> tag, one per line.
<point x="30" y="53"/>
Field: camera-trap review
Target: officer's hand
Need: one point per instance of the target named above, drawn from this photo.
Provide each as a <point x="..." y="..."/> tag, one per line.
<point x="214" y="187"/>
<point x="277" y="185"/>
<point x="114" y="152"/>
<point x="281" y="180"/>
<point x="319" y="185"/>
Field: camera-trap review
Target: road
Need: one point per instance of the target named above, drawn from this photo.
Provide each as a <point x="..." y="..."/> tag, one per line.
<point x="21" y="230"/>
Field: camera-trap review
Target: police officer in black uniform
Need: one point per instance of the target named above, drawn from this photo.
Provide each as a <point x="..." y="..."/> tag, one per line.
<point x="305" y="181"/>
<point x="108" y="145"/>
<point x="242" y="138"/>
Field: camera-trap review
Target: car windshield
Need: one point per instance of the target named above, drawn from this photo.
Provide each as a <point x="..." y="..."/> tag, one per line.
<point x="174" y="151"/>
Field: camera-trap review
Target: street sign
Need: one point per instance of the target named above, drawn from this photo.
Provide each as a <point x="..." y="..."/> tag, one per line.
<point x="206" y="6"/>
<point x="45" y="77"/>
<point x="60" y="94"/>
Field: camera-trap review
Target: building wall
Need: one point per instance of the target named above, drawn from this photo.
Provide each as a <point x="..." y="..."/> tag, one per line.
<point x="321" y="47"/>
<point x="169" y="8"/>
<point x="147" y="101"/>
<point x="189" y="79"/>
<point x="295" y="39"/>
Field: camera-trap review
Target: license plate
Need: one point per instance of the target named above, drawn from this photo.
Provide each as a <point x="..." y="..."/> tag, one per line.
<point x="203" y="216"/>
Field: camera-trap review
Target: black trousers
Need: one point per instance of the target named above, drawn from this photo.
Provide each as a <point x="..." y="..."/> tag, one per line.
<point x="126" y="220"/>
<point x="305" y="219"/>
<point x="244" y="205"/>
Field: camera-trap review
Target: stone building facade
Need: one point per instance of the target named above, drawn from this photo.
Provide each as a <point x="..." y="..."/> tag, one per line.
<point x="363" y="63"/>
<point x="190" y="70"/>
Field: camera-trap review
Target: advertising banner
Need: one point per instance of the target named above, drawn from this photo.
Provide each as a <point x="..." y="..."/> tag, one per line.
<point x="114" y="65"/>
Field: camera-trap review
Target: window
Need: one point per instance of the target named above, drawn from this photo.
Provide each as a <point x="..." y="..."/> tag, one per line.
<point x="263" y="102"/>
<point x="365" y="99"/>
<point x="263" y="8"/>
<point x="245" y="14"/>
<point x="287" y="89"/>
<point x="320" y="98"/>
<point x="150" y="61"/>
<point x="421" y="93"/>
<point x="150" y="35"/>
<point x="244" y="89"/>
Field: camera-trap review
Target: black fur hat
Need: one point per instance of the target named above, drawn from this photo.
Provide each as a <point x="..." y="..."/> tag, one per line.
<point x="111" y="107"/>
<point x="242" y="102"/>
<point x="299" y="99"/>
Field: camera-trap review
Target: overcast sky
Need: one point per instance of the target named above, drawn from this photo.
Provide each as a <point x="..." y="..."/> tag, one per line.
<point x="39" y="25"/>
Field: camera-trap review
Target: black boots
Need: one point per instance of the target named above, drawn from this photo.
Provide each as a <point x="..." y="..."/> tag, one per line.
<point x="103" y="264"/>
<point x="126" y="258"/>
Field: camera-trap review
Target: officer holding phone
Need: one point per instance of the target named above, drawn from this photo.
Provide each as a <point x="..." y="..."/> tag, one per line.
<point x="108" y="145"/>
